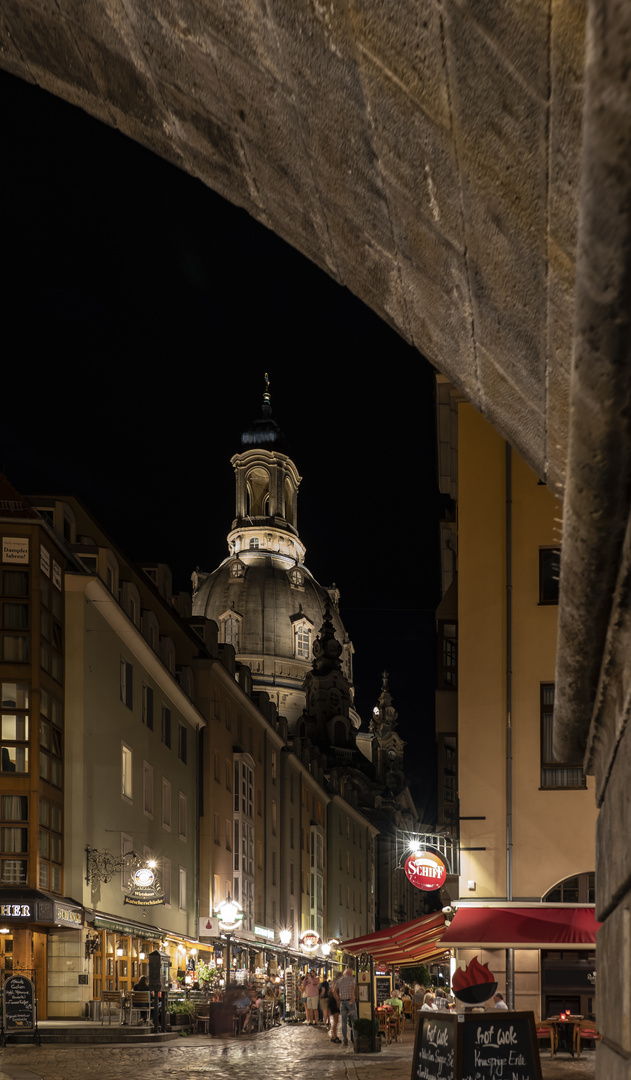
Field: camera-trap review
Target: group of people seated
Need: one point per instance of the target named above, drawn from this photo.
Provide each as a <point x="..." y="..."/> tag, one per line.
<point x="248" y="1001"/>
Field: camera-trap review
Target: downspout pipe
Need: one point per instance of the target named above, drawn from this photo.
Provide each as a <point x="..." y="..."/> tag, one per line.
<point x="510" y="953"/>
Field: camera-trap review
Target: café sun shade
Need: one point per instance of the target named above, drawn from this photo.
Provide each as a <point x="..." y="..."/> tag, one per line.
<point x="407" y="943"/>
<point x="536" y="926"/>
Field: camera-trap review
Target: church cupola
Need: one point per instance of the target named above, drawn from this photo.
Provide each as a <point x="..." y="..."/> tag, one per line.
<point x="267" y="484"/>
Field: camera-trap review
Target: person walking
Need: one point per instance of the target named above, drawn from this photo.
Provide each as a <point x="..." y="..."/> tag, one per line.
<point x="344" y="988"/>
<point x="324" y="1000"/>
<point x="312" y="988"/>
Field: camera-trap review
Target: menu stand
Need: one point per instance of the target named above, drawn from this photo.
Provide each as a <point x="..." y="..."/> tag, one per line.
<point x="19" y="1009"/>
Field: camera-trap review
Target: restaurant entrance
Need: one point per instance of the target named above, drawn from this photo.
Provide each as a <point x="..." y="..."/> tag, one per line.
<point x="567" y="981"/>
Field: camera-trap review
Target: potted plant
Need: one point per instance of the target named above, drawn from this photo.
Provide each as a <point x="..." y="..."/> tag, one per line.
<point x="182" y="1013"/>
<point x="366" y="1036"/>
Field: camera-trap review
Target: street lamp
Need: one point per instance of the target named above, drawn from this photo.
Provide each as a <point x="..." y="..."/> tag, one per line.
<point x="284" y="938"/>
<point x="230" y="915"/>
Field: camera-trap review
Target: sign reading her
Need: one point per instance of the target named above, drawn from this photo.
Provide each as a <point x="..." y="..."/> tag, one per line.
<point x="425" y="870"/>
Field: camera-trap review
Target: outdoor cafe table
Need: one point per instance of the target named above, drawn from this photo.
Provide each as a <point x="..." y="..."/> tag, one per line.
<point x="565" y="1031"/>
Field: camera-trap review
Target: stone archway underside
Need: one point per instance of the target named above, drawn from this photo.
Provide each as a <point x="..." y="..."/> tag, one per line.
<point x="443" y="160"/>
<point x="425" y="153"/>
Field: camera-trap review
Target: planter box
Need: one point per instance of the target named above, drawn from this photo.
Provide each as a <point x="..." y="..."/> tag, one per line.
<point x="363" y="1045"/>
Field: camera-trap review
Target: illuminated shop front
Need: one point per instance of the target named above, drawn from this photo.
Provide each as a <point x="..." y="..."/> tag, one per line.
<point x="38" y="934"/>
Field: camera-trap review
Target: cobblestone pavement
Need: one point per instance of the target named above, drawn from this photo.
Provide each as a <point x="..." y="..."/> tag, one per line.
<point x="284" y="1053"/>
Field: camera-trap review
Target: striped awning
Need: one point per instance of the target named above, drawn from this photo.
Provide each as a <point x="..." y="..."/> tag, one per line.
<point x="416" y="941"/>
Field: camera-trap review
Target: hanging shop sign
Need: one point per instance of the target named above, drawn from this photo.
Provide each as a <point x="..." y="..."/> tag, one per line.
<point x="208" y="927"/>
<point x="425" y="870"/>
<point x="310" y="940"/>
<point x="145" y="890"/>
<point x="264" y="931"/>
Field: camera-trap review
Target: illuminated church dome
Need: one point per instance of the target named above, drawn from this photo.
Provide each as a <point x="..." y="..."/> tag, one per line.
<point x="263" y="598"/>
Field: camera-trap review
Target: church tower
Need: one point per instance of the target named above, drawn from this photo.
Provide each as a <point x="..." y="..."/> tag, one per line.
<point x="264" y="599"/>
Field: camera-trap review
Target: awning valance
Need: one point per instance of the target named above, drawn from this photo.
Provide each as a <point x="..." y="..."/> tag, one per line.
<point x="416" y="941"/>
<point x="538" y="926"/>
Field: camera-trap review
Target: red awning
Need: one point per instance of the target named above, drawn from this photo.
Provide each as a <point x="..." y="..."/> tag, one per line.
<point x="539" y="926"/>
<point x="408" y="943"/>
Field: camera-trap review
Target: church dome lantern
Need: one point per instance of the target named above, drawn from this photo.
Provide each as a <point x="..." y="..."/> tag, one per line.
<point x="263" y="597"/>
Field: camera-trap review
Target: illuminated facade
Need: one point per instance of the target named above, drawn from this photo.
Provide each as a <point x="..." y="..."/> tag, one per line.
<point x="526" y="820"/>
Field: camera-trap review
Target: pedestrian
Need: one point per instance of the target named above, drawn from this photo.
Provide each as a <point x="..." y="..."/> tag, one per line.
<point x="324" y="1001"/>
<point x="344" y="987"/>
<point x="311" y="988"/>
<point x="334" y="1013"/>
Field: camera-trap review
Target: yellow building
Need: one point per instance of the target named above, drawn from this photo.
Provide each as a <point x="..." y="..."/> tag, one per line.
<point x="526" y="820"/>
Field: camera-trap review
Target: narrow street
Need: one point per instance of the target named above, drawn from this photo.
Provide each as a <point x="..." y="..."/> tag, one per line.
<point x="284" y="1053"/>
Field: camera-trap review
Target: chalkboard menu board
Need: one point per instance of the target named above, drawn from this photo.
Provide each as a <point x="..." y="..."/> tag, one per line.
<point x="476" y="1046"/>
<point x="383" y="988"/>
<point x="435" y="1049"/>
<point x="19" y="1004"/>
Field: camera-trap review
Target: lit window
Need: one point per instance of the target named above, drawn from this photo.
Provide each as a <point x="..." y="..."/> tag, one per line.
<point x="126" y="772"/>
<point x="254" y="543"/>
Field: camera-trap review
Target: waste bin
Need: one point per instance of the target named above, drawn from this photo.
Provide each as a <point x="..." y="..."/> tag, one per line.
<point x="95" y="1011"/>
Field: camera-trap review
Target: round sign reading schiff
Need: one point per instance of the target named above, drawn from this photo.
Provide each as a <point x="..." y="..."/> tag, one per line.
<point x="425" y="870"/>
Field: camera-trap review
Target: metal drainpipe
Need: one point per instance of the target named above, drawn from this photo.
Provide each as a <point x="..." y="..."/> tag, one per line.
<point x="510" y="953"/>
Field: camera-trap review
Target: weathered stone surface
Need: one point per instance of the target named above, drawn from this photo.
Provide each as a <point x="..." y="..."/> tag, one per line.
<point x="613" y="853"/>
<point x="425" y="154"/>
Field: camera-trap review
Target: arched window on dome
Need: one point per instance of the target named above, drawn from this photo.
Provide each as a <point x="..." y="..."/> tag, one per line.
<point x="230" y="629"/>
<point x="302" y="641"/>
<point x="254" y="543"/>
<point x="258" y="489"/>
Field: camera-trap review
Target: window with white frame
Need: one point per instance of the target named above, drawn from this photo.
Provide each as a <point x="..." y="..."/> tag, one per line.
<point x="147" y="788"/>
<point x="182" y="816"/>
<point x="230" y="629"/>
<point x="182" y="888"/>
<point x="243" y="836"/>
<point x="127" y="691"/>
<point x="302" y="640"/>
<point x="126" y="772"/>
<point x="166" y="804"/>
<point x="147" y="706"/>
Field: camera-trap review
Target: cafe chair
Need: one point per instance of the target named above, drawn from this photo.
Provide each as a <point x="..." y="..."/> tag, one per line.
<point x="114" y="1000"/>
<point x="586" y="1029"/>
<point x="202" y="1019"/>
<point x="545" y="1030"/>
<point x="384" y="1026"/>
<point x="140" y="1002"/>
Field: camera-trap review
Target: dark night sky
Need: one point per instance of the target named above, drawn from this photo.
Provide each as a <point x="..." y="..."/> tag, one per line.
<point x="142" y="311"/>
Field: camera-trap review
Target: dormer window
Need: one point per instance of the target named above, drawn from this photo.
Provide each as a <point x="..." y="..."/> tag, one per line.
<point x="230" y="629"/>
<point x="303" y="641"/>
<point x="296" y="577"/>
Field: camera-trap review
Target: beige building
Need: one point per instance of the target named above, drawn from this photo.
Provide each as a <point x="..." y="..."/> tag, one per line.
<point x="526" y="820"/>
